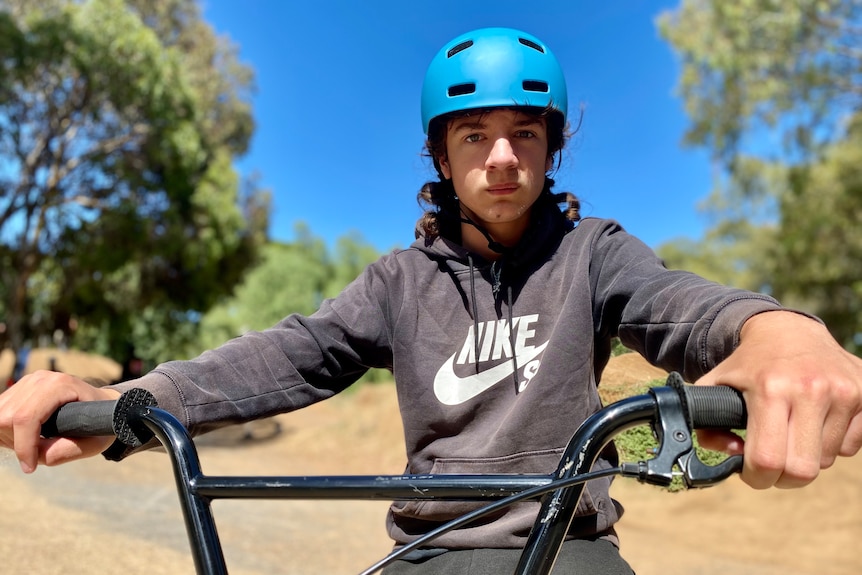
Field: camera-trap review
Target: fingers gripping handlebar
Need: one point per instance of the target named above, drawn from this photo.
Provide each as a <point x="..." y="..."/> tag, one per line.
<point x="102" y="418"/>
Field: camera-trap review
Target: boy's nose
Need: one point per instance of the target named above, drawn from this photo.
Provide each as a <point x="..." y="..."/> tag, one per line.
<point x="502" y="155"/>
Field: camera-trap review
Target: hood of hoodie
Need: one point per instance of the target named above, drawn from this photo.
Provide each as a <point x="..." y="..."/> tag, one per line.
<point x="547" y="228"/>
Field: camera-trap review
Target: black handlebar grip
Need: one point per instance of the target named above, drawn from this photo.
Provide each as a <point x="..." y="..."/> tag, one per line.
<point x="81" y="419"/>
<point x="100" y="418"/>
<point x="715" y="407"/>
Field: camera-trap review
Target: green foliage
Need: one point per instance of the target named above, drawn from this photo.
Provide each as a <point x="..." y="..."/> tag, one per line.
<point x="731" y="253"/>
<point x="617" y="347"/>
<point x="817" y="261"/>
<point x="774" y="90"/>
<point x="352" y="254"/>
<point x="290" y="278"/>
<point x="786" y="65"/>
<point x="122" y="214"/>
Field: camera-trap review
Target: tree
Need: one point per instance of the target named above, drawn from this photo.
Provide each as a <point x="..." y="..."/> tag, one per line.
<point x="790" y="67"/>
<point x="731" y="253"/>
<point x="352" y="255"/>
<point x="119" y="122"/>
<point x="774" y="90"/>
<point x="290" y="278"/>
<point x="817" y="261"/>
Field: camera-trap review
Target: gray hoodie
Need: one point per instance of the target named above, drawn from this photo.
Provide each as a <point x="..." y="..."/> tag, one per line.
<point x="496" y="364"/>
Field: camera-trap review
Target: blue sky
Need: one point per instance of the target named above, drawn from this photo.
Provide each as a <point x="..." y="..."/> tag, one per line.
<point x="339" y="136"/>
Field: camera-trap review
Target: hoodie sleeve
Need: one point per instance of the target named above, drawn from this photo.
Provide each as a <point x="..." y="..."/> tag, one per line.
<point x="677" y="320"/>
<point x="297" y="362"/>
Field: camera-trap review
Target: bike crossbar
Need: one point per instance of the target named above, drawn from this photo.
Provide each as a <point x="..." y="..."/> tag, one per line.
<point x="370" y="487"/>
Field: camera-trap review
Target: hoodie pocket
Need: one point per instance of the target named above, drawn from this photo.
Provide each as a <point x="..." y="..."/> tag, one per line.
<point x="531" y="463"/>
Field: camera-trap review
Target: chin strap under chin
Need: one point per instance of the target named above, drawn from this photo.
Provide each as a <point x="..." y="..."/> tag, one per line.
<point x="493" y="244"/>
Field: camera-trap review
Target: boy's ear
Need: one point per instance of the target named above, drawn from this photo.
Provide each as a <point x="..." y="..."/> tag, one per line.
<point x="444" y="167"/>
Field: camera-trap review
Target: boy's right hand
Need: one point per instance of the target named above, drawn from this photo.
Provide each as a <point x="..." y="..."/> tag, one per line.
<point x="30" y="402"/>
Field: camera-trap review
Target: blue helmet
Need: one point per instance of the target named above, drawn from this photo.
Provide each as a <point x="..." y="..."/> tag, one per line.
<point x="492" y="67"/>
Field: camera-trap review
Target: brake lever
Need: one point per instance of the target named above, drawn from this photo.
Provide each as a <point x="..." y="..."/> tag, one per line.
<point x="696" y="473"/>
<point x="676" y="447"/>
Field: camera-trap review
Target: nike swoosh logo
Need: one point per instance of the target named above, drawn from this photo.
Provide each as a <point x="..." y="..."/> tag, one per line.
<point x="453" y="390"/>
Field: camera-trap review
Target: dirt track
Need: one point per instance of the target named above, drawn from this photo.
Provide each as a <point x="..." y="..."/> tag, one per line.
<point x="94" y="517"/>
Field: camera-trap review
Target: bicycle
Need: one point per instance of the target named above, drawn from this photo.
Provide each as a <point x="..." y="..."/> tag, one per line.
<point x="673" y="411"/>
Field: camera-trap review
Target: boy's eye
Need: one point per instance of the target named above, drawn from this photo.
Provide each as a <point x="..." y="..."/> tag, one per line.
<point x="473" y="138"/>
<point x="525" y="134"/>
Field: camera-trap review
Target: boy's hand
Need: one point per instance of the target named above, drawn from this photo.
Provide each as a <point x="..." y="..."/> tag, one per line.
<point x="804" y="398"/>
<point x="29" y="403"/>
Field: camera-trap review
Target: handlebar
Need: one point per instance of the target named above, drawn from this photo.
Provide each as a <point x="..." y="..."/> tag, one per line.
<point x="673" y="411"/>
<point x="705" y="407"/>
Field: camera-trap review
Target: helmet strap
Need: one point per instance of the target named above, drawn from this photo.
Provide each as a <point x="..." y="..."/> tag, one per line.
<point x="493" y="244"/>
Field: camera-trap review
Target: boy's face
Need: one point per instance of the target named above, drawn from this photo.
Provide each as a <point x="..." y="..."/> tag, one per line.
<point x="497" y="162"/>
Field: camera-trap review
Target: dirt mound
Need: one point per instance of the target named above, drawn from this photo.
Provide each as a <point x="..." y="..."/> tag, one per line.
<point x="94" y="368"/>
<point x="626" y="372"/>
<point x="630" y="369"/>
<point x="101" y="517"/>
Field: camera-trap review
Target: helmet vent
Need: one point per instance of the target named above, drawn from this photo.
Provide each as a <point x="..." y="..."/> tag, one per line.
<point x="535" y="86"/>
<point x="459" y="48"/>
<point x="531" y="44"/>
<point x="461" y="89"/>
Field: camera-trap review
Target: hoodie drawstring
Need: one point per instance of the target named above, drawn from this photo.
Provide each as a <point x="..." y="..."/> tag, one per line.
<point x="512" y="339"/>
<point x="475" y="313"/>
<point x="496" y="273"/>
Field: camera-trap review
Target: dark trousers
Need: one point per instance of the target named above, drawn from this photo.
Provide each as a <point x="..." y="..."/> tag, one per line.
<point x="577" y="557"/>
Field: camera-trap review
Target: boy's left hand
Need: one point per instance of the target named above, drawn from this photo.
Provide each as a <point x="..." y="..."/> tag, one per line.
<point x="804" y="397"/>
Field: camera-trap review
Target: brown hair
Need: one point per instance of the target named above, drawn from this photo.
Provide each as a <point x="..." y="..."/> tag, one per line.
<point x="442" y="212"/>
